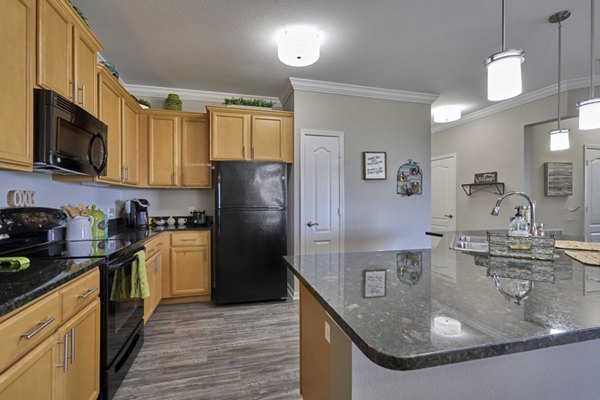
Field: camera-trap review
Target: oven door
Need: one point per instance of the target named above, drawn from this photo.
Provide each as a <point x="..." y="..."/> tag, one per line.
<point x="123" y="312"/>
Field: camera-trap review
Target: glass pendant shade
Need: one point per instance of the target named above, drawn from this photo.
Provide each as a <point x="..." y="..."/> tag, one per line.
<point x="504" y="74"/>
<point x="559" y="139"/>
<point x="589" y="114"/>
<point x="446" y="114"/>
<point x="299" y="46"/>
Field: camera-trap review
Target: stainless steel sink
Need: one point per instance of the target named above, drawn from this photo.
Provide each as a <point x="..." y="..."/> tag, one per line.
<point x="473" y="244"/>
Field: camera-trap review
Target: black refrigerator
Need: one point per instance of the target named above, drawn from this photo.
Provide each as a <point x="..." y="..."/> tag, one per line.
<point x="249" y="232"/>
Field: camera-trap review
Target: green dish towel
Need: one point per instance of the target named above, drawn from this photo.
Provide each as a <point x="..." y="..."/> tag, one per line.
<point x="139" y="280"/>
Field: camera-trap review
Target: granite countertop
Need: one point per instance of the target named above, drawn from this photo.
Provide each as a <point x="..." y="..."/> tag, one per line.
<point x="41" y="277"/>
<point x="440" y="306"/>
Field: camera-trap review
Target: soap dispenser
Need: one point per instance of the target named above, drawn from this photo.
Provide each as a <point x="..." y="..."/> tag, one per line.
<point x="518" y="226"/>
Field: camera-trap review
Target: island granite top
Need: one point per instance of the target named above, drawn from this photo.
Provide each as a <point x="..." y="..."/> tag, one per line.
<point x="415" y="309"/>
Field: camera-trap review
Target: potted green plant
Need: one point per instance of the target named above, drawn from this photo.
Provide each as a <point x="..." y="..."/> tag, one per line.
<point x="254" y="103"/>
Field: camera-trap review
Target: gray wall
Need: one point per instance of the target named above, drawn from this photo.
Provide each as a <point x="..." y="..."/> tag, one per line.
<point x="376" y="218"/>
<point x="564" y="212"/>
<point x="496" y="143"/>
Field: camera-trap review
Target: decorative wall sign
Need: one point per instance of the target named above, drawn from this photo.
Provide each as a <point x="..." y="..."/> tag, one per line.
<point x="486" y="177"/>
<point x="409" y="267"/>
<point x="558" y="179"/>
<point x="409" y="179"/>
<point x="374" y="165"/>
<point x="20" y="198"/>
<point x="375" y="283"/>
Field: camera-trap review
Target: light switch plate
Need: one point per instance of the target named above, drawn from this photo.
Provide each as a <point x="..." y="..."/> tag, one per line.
<point x="327" y="332"/>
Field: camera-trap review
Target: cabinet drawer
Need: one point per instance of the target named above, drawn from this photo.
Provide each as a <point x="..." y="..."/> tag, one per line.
<point x="80" y="293"/>
<point x="24" y="330"/>
<point x="154" y="245"/>
<point x="190" y="238"/>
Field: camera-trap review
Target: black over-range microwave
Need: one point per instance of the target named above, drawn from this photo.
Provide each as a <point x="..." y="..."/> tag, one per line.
<point x="68" y="140"/>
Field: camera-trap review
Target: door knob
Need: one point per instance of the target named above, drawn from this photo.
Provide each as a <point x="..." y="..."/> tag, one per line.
<point x="449" y="216"/>
<point x="310" y="224"/>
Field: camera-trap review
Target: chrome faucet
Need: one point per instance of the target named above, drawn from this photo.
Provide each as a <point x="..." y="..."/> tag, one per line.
<point x="532" y="226"/>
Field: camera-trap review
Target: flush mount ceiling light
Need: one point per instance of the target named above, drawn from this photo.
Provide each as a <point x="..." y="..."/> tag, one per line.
<point x="559" y="138"/>
<point x="445" y="114"/>
<point x="299" y="46"/>
<point x="504" y="69"/>
<point x="589" y="110"/>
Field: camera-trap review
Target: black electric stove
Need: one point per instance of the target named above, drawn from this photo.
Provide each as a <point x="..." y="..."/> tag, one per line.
<point x="37" y="234"/>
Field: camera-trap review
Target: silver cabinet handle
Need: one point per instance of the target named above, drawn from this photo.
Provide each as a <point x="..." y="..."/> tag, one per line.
<point x="65" y="363"/>
<point x="72" y="346"/>
<point x="83" y="95"/>
<point x="87" y="294"/>
<point x="449" y="216"/>
<point x="188" y="240"/>
<point x="41" y="325"/>
<point x="310" y="224"/>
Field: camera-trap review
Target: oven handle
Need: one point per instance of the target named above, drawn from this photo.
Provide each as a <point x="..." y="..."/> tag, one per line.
<point x="127" y="261"/>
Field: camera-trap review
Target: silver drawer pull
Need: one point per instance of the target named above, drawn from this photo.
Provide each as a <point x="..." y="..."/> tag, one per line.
<point x="188" y="240"/>
<point x="37" y="330"/>
<point x="88" y="294"/>
<point x="72" y="346"/>
<point x="65" y="363"/>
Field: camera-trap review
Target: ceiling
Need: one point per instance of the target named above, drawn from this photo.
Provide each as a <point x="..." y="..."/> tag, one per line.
<point x="428" y="46"/>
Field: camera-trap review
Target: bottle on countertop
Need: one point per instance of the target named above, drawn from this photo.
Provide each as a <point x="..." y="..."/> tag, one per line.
<point x="518" y="226"/>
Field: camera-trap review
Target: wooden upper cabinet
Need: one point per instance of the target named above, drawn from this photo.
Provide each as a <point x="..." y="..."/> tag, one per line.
<point x="66" y="50"/>
<point x="229" y="136"/>
<point x="238" y="134"/>
<point x="163" y="150"/>
<point x="17" y="27"/>
<point x="85" y="61"/>
<point x="195" y="162"/>
<point x="130" y="142"/>
<point x="109" y="111"/>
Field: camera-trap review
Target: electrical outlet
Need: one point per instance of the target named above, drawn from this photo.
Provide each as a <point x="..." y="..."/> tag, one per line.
<point x="190" y="210"/>
<point x="327" y="332"/>
<point x="111" y="213"/>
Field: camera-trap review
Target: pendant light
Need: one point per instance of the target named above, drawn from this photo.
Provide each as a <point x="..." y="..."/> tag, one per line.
<point x="559" y="138"/>
<point x="589" y="110"/>
<point x="504" y="69"/>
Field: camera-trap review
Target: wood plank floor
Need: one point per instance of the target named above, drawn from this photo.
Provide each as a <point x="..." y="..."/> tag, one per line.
<point x="200" y="351"/>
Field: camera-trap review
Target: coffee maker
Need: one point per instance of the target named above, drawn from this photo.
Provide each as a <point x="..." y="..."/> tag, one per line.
<point x="136" y="213"/>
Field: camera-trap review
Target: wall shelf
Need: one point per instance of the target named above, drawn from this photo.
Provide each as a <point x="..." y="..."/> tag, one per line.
<point x="494" y="187"/>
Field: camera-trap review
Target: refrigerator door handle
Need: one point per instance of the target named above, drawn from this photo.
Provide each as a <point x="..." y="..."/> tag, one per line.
<point x="219" y="190"/>
<point x="218" y="222"/>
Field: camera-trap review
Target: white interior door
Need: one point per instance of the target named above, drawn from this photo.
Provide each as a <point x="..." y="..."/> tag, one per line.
<point x="321" y="192"/>
<point x="592" y="194"/>
<point x="443" y="193"/>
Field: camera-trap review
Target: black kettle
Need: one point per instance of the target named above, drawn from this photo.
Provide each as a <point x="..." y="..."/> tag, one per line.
<point x="199" y="217"/>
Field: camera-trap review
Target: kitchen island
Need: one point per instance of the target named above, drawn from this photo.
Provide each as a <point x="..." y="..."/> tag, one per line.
<point x="443" y="324"/>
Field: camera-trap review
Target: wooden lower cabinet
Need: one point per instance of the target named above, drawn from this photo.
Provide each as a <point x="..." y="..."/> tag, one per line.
<point x="153" y="272"/>
<point x="34" y="376"/>
<point x="66" y="364"/>
<point x="80" y="380"/>
<point x="189" y="267"/>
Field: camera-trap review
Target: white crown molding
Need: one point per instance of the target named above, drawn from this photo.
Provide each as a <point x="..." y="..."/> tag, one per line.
<point x="359" y="91"/>
<point x="189" y="94"/>
<point x="571" y="84"/>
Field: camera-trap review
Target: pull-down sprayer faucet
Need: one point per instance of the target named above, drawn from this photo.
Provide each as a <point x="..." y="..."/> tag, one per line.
<point x="532" y="226"/>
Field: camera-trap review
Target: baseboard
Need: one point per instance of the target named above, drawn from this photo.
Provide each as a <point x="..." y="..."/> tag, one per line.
<point x="188" y="299"/>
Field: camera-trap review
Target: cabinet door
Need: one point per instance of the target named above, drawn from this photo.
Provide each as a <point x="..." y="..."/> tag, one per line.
<point x="55" y="38"/>
<point x="130" y="143"/>
<point x="195" y="162"/>
<point x="163" y="150"/>
<point x="190" y="274"/>
<point x="288" y="139"/>
<point x="16" y="105"/>
<point x="267" y="138"/>
<point x="229" y="136"/>
<point x="81" y="381"/>
<point x="109" y="112"/>
<point x="84" y="59"/>
<point x="34" y="376"/>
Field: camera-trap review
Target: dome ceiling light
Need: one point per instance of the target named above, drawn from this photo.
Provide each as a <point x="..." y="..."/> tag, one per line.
<point x="299" y="46"/>
<point x="589" y="110"/>
<point x="445" y="114"/>
<point x="504" y="69"/>
<point x="559" y="138"/>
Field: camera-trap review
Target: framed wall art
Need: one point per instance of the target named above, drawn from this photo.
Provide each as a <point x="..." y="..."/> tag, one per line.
<point x="374" y="165"/>
<point x="558" y="179"/>
<point x="375" y="283"/>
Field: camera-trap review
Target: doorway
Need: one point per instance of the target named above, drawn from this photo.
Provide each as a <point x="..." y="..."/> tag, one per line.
<point x="321" y="192"/>
<point x="592" y="193"/>
<point x="443" y="193"/>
